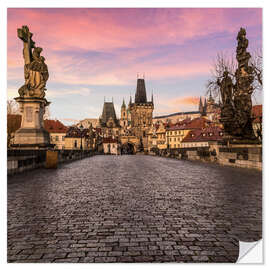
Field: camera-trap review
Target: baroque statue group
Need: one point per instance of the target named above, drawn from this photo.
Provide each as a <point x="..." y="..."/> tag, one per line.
<point x="35" y="70"/>
<point x="236" y="97"/>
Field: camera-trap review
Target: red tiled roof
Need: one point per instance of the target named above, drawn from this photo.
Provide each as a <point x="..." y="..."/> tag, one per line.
<point x="257" y="113"/>
<point x="55" y="126"/>
<point x="196" y="123"/>
<point x="74" y="132"/>
<point x="204" y="135"/>
<point x="257" y="110"/>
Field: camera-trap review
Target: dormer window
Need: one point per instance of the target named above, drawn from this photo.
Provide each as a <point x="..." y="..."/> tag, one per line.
<point x="203" y="134"/>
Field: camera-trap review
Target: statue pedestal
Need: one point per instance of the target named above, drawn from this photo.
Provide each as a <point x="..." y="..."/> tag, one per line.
<point x="32" y="134"/>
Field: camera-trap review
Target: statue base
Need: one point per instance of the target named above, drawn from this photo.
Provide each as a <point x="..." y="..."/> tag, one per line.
<point x="32" y="134"/>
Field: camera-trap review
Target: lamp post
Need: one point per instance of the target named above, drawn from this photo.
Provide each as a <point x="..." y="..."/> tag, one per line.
<point x="81" y="129"/>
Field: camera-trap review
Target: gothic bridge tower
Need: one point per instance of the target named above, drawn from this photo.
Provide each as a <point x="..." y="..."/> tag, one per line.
<point x="141" y="113"/>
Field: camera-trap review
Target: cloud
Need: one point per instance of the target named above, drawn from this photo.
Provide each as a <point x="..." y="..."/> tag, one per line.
<point x="69" y="121"/>
<point x="172" y="105"/>
<point x="107" y="47"/>
<point x="83" y="91"/>
<point x="186" y="101"/>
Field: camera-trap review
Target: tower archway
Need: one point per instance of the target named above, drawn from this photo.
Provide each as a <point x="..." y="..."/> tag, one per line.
<point x="127" y="149"/>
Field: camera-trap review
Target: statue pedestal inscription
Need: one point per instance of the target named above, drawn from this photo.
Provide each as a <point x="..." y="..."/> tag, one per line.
<point x="32" y="99"/>
<point x="32" y="133"/>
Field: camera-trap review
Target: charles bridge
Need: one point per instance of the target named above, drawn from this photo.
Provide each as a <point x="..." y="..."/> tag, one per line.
<point x="133" y="208"/>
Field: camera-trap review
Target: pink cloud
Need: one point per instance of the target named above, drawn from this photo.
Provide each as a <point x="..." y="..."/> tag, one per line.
<point x="107" y="30"/>
<point x="186" y="101"/>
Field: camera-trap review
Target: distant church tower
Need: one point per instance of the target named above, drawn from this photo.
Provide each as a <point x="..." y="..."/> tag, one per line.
<point x="141" y="112"/>
<point x="200" y="106"/>
<point x="124" y="115"/>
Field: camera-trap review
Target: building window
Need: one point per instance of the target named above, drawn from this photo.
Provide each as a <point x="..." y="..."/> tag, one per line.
<point x="75" y="144"/>
<point x="57" y="138"/>
<point x="63" y="138"/>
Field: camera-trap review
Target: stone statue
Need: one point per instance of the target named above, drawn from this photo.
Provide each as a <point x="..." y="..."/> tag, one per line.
<point x="35" y="70"/>
<point x="32" y="101"/>
<point x="236" y="98"/>
<point x="226" y="88"/>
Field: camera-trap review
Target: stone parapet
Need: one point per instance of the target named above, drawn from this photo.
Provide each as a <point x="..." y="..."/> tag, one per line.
<point x="244" y="156"/>
<point x="23" y="160"/>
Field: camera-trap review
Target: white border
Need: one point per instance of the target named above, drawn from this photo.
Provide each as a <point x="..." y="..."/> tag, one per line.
<point x="126" y="3"/>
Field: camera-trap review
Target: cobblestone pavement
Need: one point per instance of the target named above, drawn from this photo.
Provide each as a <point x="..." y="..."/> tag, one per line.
<point x="133" y="209"/>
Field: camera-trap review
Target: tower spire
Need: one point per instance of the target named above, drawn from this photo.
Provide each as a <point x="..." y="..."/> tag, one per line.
<point x="200" y="105"/>
<point x="140" y="96"/>
<point x="123" y="104"/>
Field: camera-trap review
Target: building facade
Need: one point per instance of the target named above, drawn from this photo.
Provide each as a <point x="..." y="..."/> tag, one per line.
<point x="175" y="133"/>
<point x="77" y="139"/>
<point x="111" y="146"/>
<point x="57" y="131"/>
<point x="203" y="137"/>
<point x="108" y="121"/>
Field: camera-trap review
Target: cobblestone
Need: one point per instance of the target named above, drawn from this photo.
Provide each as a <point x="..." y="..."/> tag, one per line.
<point x="133" y="209"/>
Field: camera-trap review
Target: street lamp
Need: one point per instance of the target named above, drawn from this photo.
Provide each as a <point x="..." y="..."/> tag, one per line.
<point x="81" y="129"/>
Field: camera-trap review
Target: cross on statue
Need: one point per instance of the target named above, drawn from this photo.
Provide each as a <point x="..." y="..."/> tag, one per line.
<point x="26" y="36"/>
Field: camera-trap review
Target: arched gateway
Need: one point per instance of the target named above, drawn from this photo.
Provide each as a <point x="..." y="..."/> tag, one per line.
<point x="127" y="149"/>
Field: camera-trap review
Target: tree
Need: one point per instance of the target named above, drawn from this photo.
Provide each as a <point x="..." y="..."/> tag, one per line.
<point x="223" y="62"/>
<point x="47" y="114"/>
<point x="12" y="107"/>
<point x="256" y="63"/>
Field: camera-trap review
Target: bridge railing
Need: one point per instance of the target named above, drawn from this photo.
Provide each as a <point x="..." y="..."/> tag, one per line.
<point x="22" y="160"/>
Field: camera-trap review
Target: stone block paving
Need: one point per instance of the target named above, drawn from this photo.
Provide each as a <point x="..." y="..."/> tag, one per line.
<point x="127" y="209"/>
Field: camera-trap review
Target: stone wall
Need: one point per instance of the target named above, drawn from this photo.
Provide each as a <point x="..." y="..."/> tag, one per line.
<point x="244" y="156"/>
<point x="249" y="156"/>
<point x="23" y="160"/>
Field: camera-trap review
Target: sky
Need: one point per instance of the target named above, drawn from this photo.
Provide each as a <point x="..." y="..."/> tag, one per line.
<point x="96" y="53"/>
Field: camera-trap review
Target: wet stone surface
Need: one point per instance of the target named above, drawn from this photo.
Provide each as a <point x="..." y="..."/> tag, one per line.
<point x="133" y="209"/>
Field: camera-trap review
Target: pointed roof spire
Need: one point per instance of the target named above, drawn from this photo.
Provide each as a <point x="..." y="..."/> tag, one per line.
<point x="210" y="99"/>
<point x="130" y="100"/>
<point x="140" y="96"/>
<point x="123" y="104"/>
<point x="152" y="98"/>
<point x="200" y="105"/>
<point x="205" y="104"/>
